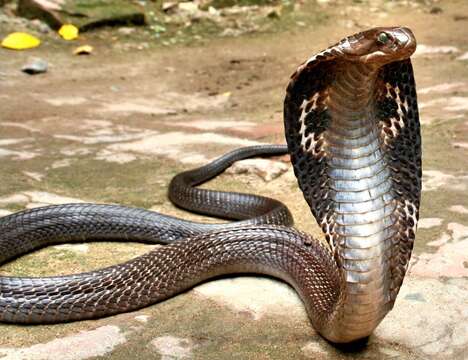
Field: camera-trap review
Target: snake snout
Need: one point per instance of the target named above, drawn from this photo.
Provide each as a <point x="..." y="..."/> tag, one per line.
<point x="406" y="42"/>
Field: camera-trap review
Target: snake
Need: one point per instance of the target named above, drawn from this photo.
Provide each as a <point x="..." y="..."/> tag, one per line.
<point x="353" y="136"/>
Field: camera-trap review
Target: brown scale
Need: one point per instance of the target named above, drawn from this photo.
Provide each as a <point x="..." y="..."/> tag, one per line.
<point x="396" y="110"/>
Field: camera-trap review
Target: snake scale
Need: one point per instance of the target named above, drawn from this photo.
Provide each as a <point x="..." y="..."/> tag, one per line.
<point x="352" y="131"/>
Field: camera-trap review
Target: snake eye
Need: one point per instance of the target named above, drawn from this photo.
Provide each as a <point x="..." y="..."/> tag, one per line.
<point x="383" y="38"/>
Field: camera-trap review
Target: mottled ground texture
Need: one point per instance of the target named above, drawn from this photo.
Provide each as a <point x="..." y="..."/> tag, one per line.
<point x="116" y="126"/>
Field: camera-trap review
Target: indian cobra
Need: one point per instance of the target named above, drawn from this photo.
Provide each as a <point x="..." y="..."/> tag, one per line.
<point x="352" y="129"/>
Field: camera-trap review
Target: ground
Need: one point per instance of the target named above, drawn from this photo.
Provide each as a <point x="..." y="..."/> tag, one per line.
<point x="114" y="127"/>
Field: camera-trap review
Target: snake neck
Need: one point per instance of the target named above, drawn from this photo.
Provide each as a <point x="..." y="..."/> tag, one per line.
<point x="362" y="222"/>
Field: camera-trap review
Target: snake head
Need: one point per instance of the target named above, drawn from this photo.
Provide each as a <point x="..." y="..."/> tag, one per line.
<point x="380" y="45"/>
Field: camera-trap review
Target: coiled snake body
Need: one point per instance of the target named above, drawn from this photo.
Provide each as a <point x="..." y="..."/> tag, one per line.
<point x="352" y="129"/>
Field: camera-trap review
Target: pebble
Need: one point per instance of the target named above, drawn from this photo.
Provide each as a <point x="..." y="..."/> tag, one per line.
<point x="35" y="66"/>
<point x="40" y="26"/>
<point x="126" y="30"/>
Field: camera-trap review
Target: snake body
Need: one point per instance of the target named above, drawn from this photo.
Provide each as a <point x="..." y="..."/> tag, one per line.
<point x="352" y="129"/>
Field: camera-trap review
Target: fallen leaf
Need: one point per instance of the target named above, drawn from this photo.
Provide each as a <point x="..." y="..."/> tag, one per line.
<point x="20" y="41"/>
<point x="68" y="32"/>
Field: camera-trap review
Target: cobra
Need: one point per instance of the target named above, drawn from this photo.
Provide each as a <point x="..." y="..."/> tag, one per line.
<point x="352" y="131"/>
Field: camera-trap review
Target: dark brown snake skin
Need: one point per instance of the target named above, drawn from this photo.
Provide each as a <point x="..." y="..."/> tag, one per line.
<point x="352" y="129"/>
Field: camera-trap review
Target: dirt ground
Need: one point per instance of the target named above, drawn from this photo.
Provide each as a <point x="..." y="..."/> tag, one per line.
<point x="114" y="127"/>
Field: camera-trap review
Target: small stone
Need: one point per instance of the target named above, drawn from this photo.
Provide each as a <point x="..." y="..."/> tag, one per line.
<point x="83" y="50"/>
<point x="213" y="11"/>
<point x="188" y="7"/>
<point x="40" y="26"/>
<point x="142" y="318"/>
<point x="275" y="13"/>
<point x="126" y="31"/>
<point x="435" y="10"/>
<point x="35" y="66"/>
<point x="167" y="6"/>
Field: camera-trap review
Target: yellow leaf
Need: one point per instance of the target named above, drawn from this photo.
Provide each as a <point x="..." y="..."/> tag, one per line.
<point x="20" y="41"/>
<point x="68" y="32"/>
<point x="83" y="50"/>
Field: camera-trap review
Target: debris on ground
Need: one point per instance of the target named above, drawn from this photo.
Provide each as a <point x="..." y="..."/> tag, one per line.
<point x="20" y="41"/>
<point x="40" y="26"/>
<point x="35" y="66"/>
<point x="68" y="32"/>
<point x="83" y="50"/>
<point x="126" y="30"/>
